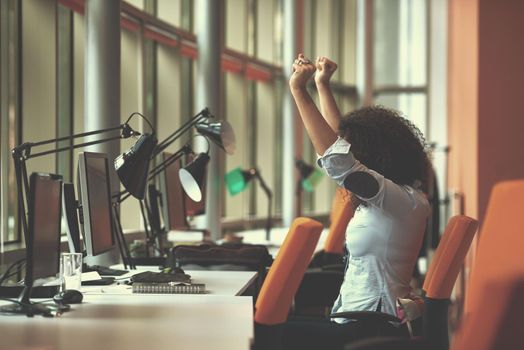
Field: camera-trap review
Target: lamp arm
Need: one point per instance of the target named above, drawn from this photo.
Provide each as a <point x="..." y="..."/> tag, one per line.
<point x="186" y="149"/>
<point x="269" y="195"/>
<point x="67" y="148"/>
<point x="21" y="183"/>
<point x="203" y="114"/>
<point x="24" y="150"/>
<point x="263" y="184"/>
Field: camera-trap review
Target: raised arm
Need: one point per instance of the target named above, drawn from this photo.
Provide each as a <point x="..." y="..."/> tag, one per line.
<point x="328" y="106"/>
<point x="321" y="134"/>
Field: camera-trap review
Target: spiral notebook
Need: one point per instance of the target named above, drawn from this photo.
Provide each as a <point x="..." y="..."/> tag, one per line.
<point x="169" y="288"/>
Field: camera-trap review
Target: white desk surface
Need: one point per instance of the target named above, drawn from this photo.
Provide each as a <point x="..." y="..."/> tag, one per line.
<point x="229" y="283"/>
<point x="111" y="317"/>
<point x="137" y="322"/>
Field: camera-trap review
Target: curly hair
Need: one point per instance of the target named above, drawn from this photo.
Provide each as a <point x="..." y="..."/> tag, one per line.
<point x="384" y="141"/>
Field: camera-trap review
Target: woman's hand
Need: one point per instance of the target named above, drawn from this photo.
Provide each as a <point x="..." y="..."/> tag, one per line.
<point x="303" y="69"/>
<point x="325" y="70"/>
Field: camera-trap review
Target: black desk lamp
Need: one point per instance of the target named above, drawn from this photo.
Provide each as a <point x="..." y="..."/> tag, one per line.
<point x="197" y="167"/>
<point x="309" y="178"/>
<point x="142" y="149"/>
<point x="219" y="132"/>
<point x="238" y="179"/>
<point x="191" y="177"/>
<point x="309" y="175"/>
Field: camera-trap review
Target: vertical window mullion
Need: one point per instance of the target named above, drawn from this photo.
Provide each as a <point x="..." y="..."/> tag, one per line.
<point x="64" y="125"/>
<point x="10" y="114"/>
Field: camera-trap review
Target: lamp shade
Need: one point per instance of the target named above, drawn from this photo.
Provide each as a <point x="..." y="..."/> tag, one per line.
<point x="237" y="180"/>
<point x="220" y="133"/>
<point x="309" y="175"/>
<point x="192" y="177"/>
<point x="132" y="166"/>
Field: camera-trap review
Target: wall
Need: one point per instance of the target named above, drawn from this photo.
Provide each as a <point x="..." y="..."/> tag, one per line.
<point x="486" y="85"/>
<point x="501" y="92"/>
<point x="463" y="101"/>
<point x="485" y="90"/>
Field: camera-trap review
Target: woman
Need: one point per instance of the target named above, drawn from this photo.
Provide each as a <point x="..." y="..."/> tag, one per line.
<point x="379" y="157"/>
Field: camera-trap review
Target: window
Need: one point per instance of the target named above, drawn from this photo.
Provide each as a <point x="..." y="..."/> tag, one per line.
<point x="9" y="116"/>
<point x="330" y="30"/>
<point x="400" y="58"/>
<point x="252" y="101"/>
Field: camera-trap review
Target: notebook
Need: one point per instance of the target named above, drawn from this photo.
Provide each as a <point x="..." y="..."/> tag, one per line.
<point x="169" y="288"/>
<point x="159" y="277"/>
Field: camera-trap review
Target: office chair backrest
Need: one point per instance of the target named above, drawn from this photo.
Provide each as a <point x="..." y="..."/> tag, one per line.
<point x="284" y="276"/>
<point x="500" y="324"/>
<point x="341" y="213"/>
<point x="497" y="274"/>
<point x="449" y="256"/>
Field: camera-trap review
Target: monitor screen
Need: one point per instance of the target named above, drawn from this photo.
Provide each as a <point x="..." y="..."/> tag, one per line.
<point x="153" y="200"/>
<point x="174" y="208"/>
<point x="195" y="208"/>
<point x="69" y="210"/>
<point x="44" y="224"/>
<point x="95" y="202"/>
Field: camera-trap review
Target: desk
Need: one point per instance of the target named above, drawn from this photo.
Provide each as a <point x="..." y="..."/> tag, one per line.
<point x="111" y="317"/>
<point x="229" y="283"/>
<point x="137" y="322"/>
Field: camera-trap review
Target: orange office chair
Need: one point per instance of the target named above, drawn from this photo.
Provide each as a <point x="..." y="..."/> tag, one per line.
<point x="282" y="281"/>
<point x="341" y="214"/>
<point x="439" y="282"/>
<point x="494" y="308"/>
<point x="442" y="275"/>
<point x="321" y="283"/>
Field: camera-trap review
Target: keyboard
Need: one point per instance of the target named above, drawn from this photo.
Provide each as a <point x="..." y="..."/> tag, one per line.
<point x="104" y="281"/>
<point x="104" y="271"/>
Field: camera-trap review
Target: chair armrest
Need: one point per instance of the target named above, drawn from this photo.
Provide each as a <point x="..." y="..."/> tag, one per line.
<point x="366" y="316"/>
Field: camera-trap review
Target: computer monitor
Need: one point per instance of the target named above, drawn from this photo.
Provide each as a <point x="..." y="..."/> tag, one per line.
<point x="69" y="210"/>
<point x="95" y="202"/>
<point x="195" y="208"/>
<point x="154" y="200"/>
<point x="42" y="241"/>
<point x="174" y="206"/>
<point x="43" y="245"/>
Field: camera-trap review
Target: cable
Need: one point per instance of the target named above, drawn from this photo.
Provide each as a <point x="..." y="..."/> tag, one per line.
<point x="7" y="273"/>
<point x="147" y="120"/>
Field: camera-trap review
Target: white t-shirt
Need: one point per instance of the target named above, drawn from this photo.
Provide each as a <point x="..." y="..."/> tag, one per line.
<point x="383" y="238"/>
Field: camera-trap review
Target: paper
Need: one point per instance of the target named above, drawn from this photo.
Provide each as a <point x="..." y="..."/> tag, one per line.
<point x="90" y="276"/>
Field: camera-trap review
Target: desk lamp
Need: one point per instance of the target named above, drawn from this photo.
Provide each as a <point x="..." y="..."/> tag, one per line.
<point x="144" y="208"/>
<point x="309" y="175"/>
<point x="237" y="181"/>
<point x="142" y="149"/>
<point x="219" y="132"/>
<point x="192" y="175"/>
